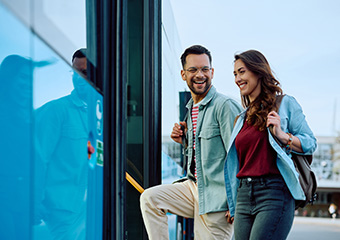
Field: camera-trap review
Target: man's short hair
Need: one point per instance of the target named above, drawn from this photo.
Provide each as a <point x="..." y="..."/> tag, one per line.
<point x="195" y="49"/>
<point x="80" y="53"/>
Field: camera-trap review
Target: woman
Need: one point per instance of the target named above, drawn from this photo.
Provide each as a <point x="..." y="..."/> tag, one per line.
<point x="261" y="181"/>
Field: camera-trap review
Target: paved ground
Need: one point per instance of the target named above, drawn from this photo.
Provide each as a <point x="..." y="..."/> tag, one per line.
<point x="307" y="228"/>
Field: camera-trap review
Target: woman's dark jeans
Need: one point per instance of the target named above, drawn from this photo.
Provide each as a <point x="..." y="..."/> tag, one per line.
<point x="264" y="209"/>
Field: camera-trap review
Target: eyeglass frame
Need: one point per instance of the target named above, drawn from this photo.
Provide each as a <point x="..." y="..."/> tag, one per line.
<point x="202" y="69"/>
<point x="82" y="73"/>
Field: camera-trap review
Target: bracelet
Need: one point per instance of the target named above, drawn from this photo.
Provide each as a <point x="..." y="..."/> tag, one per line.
<point x="289" y="144"/>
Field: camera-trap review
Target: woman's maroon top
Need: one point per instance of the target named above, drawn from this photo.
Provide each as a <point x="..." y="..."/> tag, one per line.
<point x="256" y="155"/>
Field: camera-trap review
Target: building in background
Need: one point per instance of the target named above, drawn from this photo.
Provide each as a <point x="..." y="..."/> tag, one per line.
<point x="326" y="166"/>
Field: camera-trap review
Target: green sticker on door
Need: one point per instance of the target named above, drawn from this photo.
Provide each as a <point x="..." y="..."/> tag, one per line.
<point x="100" y="153"/>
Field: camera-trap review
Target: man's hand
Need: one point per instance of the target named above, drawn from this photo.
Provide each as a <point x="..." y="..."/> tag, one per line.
<point x="177" y="133"/>
<point x="229" y="219"/>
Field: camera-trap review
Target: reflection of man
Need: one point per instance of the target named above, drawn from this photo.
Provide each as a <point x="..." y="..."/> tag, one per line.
<point x="62" y="165"/>
<point x="202" y="194"/>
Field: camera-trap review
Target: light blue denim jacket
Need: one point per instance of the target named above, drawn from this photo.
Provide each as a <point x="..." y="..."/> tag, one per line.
<point x="293" y="121"/>
<point x="214" y="126"/>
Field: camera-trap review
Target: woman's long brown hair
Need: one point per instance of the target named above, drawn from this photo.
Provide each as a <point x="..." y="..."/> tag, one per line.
<point x="270" y="87"/>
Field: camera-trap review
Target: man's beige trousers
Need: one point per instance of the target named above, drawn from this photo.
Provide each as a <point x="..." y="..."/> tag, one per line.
<point x="180" y="199"/>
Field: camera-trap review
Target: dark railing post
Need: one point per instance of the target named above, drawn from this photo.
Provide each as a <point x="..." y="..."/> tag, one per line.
<point x="152" y="92"/>
<point x="112" y="64"/>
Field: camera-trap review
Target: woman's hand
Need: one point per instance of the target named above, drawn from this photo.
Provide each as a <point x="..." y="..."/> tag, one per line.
<point x="274" y="119"/>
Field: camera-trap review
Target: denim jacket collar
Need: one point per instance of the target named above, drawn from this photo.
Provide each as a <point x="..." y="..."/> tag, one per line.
<point x="212" y="92"/>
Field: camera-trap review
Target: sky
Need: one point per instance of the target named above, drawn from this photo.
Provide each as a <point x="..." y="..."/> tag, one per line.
<point x="300" y="39"/>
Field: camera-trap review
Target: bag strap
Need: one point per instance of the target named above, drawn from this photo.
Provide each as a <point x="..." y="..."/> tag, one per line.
<point x="184" y="139"/>
<point x="235" y="120"/>
<point x="184" y="144"/>
<point x="278" y="101"/>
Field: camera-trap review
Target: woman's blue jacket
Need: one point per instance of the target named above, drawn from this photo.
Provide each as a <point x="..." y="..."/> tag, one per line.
<point x="292" y="121"/>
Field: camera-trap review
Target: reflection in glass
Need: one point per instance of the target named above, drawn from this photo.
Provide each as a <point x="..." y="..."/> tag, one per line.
<point x="61" y="169"/>
<point x="51" y="174"/>
<point x="15" y="126"/>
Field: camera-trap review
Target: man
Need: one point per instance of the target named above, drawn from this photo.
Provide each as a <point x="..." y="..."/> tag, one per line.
<point x="201" y="195"/>
<point x="62" y="158"/>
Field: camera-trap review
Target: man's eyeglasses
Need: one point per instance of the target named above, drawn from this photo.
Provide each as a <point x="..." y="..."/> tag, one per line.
<point x="195" y="70"/>
<point x="83" y="72"/>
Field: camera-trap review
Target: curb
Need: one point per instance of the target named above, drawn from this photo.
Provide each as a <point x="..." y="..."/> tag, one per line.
<point x="318" y="221"/>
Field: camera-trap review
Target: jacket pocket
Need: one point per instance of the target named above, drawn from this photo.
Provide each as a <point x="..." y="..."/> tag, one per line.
<point x="74" y="132"/>
<point x="211" y="145"/>
<point x="208" y="133"/>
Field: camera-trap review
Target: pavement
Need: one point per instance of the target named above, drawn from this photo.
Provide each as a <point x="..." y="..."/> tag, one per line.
<point x="318" y="221"/>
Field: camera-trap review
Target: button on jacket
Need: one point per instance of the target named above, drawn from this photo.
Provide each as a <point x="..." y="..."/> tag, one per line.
<point x="292" y="121"/>
<point x="214" y="126"/>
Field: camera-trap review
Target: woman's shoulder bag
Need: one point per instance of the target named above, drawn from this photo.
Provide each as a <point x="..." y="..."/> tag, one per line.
<point x="302" y="164"/>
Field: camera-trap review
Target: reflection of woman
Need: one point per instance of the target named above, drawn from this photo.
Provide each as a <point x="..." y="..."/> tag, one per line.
<point x="261" y="180"/>
<point x="15" y="113"/>
<point x="16" y="75"/>
<point x="16" y="85"/>
<point x="16" y="78"/>
<point x="15" y="127"/>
